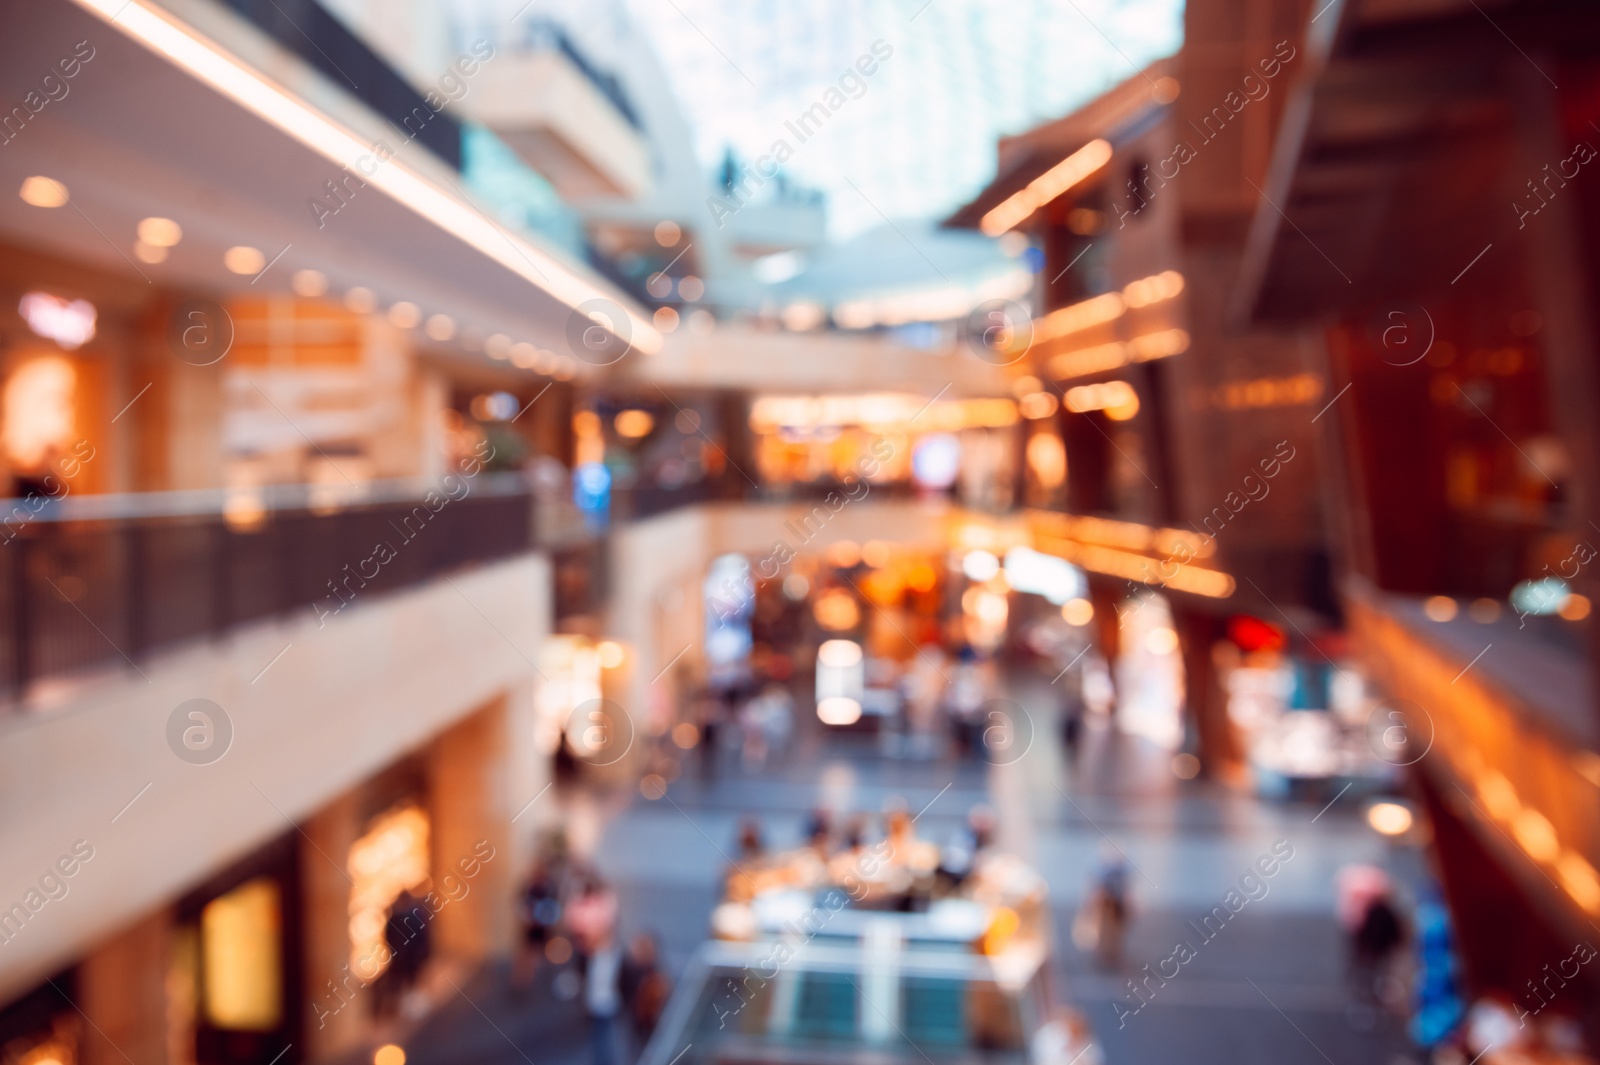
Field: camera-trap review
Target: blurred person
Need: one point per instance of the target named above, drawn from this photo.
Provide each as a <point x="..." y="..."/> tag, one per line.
<point x="1374" y="946"/>
<point x="710" y="722"/>
<point x="852" y="852"/>
<point x="968" y="845"/>
<point x="591" y="916"/>
<point x="645" y="988"/>
<point x="1374" y="931"/>
<point x="1065" y="1040"/>
<point x="765" y="724"/>
<point x="752" y="846"/>
<point x="407" y="936"/>
<point x="739" y="884"/>
<point x="753" y="736"/>
<point x="855" y="833"/>
<point x="1073" y="711"/>
<point x="968" y="691"/>
<point x="900" y="828"/>
<point x="779" y="718"/>
<point x="541" y="907"/>
<point x="1102" y="922"/>
<point x="818" y="832"/>
<point x="602" y="994"/>
<point x="923" y="686"/>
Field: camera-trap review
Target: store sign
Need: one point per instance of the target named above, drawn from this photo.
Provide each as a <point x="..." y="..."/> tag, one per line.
<point x="70" y="324"/>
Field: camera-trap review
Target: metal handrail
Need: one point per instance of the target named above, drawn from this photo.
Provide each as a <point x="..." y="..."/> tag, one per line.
<point x="320" y="497"/>
<point x="90" y="582"/>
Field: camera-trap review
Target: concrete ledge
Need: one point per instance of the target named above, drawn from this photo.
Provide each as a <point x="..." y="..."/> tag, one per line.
<point x="342" y="701"/>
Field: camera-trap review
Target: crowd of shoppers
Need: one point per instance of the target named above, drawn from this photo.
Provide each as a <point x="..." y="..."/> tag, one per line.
<point x="570" y="916"/>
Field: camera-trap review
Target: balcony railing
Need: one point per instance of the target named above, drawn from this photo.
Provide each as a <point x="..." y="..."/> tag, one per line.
<point x="89" y="582"/>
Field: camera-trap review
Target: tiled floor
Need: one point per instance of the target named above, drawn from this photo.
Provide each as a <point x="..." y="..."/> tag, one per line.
<point x="1268" y="988"/>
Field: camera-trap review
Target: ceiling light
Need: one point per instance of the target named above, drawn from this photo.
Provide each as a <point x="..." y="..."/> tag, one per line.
<point x="1389" y="818"/>
<point x="980" y="565"/>
<point x="149" y="253"/>
<point x="1108" y="307"/>
<point x="43" y="192"/>
<point x="243" y="259"/>
<point x="360" y="300"/>
<point x="404" y="315"/>
<point x="146" y="23"/>
<point x="1161" y="641"/>
<point x="1046" y="187"/>
<point x="1077" y="611"/>
<point x="839" y="710"/>
<point x="440" y="327"/>
<point x="634" y="424"/>
<point x="309" y="283"/>
<point x="1037" y="405"/>
<point x="160" y="232"/>
<point x="1439" y="607"/>
<point x="1117" y="398"/>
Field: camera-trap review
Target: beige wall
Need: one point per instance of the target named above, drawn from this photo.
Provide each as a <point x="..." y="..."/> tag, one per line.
<point x="342" y="702"/>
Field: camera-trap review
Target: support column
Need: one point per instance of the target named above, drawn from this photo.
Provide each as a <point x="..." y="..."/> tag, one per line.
<point x="1105" y="593"/>
<point x="122" y="989"/>
<point x="468" y="783"/>
<point x="1220" y="753"/>
<point x="335" y="1018"/>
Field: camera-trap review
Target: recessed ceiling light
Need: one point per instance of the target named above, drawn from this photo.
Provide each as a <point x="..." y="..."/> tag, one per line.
<point x="441" y="327"/>
<point x="1389" y="818"/>
<point x="160" y="232"/>
<point x="360" y="300"/>
<point x="43" y="192"/>
<point x="309" y="283"/>
<point x="243" y="259"/>
<point x="404" y="315"/>
<point x="149" y="253"/>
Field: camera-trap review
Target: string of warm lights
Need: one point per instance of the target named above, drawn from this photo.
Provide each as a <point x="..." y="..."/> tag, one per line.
<point x="1047" y="186"/>
<point x="1099" y="310"/>
<point x="1102" y="357"/>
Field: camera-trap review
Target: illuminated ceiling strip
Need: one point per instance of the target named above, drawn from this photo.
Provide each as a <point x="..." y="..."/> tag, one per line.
<point x="1102" y="357"/>
<point x="1098" y="310"/>
<point x="1015" y="208"/>
<point x="878" y="410"/>
<point x="1213" y="584"/>
<point x="1109" y="532"/>
<point x="163" y="35"/>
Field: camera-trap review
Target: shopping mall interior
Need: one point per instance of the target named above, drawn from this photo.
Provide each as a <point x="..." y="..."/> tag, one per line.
<point x="837" y="532"/>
